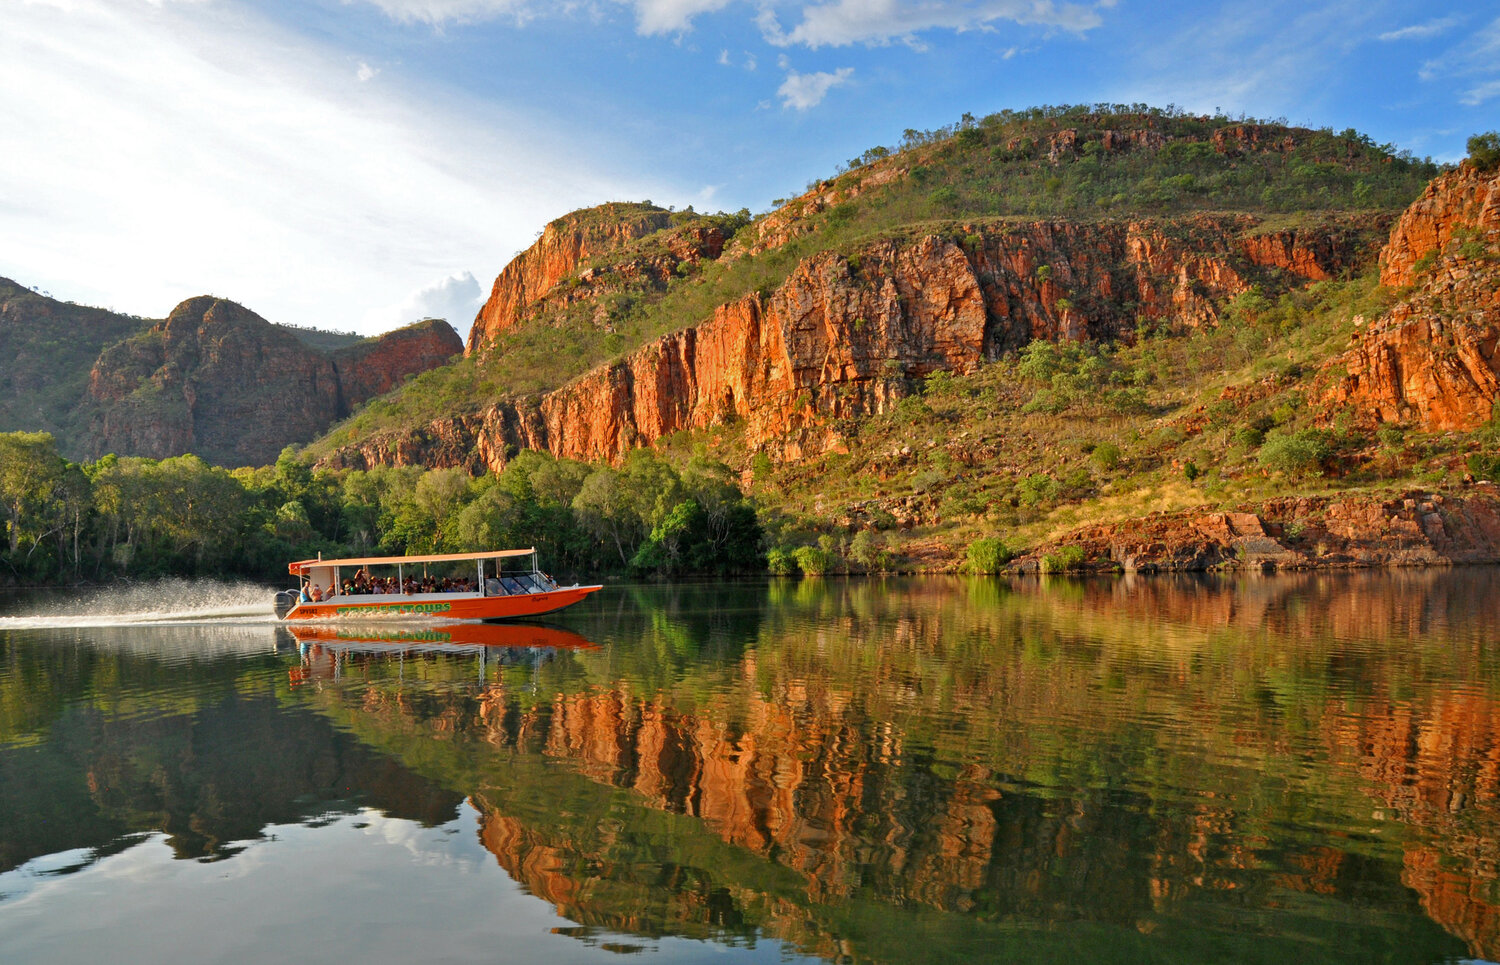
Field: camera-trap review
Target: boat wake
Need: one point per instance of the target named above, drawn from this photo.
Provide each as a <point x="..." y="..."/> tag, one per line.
<point x="163" y="602"/>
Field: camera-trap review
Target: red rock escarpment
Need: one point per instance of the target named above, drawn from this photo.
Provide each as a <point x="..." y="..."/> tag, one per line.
<point x="843" y="337"/>
<point x="1466" y="199"/>
<point x="218" y="380"/>
<point x="564" y="245"/>
<point x="375" y="366"/>
<point x="1434" y="359"/>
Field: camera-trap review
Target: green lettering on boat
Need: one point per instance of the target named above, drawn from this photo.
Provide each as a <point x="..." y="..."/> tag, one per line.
<point x="394" y="608"/>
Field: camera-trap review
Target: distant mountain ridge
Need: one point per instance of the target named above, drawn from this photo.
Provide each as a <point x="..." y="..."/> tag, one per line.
<point x="213" y="378"/>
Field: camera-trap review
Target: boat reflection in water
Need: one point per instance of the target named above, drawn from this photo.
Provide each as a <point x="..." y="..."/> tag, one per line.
<point x="325" y="648"/>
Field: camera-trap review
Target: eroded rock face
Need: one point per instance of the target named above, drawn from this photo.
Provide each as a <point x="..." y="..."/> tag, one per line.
<point x="218" y="380"/>
<point x="844" y="337"/>
<point x="1464" y="200"/>
<point x="1415" y="529"/>
<point x="564" y="245"/>
<point x="1432" y="360"/>
<point x="376" y="366"/>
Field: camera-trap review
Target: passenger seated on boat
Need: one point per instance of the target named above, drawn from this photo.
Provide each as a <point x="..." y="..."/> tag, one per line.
<point x="511" y="586"/>
<point x="492" y="587"/>
<point x="302" y="596"/>
<point x="317" y="594"/>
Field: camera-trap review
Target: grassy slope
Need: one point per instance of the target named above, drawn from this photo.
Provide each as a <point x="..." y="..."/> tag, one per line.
<point x="322" y="340"/>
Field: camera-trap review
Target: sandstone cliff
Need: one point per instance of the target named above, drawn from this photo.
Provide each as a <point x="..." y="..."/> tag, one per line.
<point x="218" y="380"/>
<point x="564" y="245"/>
<point x="1433" y="360"/>
<point x="844" y="336"/>
<point x="589" y="254"/>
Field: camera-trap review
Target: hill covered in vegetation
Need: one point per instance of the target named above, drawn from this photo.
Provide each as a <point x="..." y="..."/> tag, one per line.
<point x="1254" y="198"/>
<point x="1026" y="324"/>
<point x="212" y="378"/>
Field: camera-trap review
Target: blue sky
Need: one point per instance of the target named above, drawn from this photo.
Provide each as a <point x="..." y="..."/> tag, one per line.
<point x="355" y="164"/>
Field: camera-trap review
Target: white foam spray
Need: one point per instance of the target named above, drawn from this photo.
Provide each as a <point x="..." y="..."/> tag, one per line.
<point x="168" y="601"/>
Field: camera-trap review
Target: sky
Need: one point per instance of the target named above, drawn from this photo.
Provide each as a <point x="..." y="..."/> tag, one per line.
<point x="360" y="164"/>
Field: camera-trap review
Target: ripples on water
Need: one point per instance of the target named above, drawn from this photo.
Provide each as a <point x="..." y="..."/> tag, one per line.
<point x="910" y="770"/>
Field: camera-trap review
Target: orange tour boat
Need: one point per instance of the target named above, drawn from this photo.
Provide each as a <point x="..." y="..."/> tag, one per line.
<point x="404" y="587"/>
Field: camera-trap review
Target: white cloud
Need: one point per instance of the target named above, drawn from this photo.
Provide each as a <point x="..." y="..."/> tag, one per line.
<point x="150" y="154"/>
<point x="671" y="16"/>
<point x="455" y="298"/>
<point x="843" y="22"/>
<point x="1420" y="31"/>
<point x="803" y="91"/>
<point x="724" y="57"/>
<point x="1478" y="95"/>
<point x="652" y="16"/>
<point x="366" y="72"/>
<point x="829" y="23"/>
<point x="1263" y="57"/>
<point x="1475" y="59"/>
<point x="439" y="12"/>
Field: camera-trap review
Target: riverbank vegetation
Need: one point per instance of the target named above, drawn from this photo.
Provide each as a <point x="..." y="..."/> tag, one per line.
<point x="132" y="517"/>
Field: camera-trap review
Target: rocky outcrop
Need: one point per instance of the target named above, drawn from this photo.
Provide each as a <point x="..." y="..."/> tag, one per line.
<point x="565" y="244"/>
<point x="375" y="366"/>
<point x="218" y="380"/>
<point x="845" y="336"/>
<point x="1433" y="359"/>
<point x="1412" y="529"/>
<point x="1238" y="139"/>
<point x="1463" y="201"/>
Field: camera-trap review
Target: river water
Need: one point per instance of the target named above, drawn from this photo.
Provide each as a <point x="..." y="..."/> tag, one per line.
<point x="1266" y="769"/>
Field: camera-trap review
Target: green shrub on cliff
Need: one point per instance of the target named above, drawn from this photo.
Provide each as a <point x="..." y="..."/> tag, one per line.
<point x="1484" y="465"/>
<point x="781" y="561"/>
<point x="1066" y="559"/>
<point x="1484" y="150"/>
<point x="987" y="555"/>
<point x="1296" y="453"/>
<point x="813" y="560"/>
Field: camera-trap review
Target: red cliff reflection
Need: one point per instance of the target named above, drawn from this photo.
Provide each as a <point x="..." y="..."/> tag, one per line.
<point x="1113" y="753"/>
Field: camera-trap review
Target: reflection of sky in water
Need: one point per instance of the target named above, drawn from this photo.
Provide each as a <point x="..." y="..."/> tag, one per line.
<point x="362" y="887"/>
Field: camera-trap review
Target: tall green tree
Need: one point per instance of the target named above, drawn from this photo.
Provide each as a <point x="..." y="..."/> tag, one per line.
<point x="30" y="470"/>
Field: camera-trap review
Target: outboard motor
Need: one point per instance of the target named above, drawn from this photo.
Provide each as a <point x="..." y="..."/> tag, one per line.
<point x="285" y="600"/>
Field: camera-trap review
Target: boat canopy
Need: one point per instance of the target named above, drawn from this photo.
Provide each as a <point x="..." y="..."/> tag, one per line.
<point x="302" y="566"/>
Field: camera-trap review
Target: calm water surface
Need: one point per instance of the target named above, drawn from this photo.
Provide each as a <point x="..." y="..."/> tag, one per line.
<point x="1273" y="769"/>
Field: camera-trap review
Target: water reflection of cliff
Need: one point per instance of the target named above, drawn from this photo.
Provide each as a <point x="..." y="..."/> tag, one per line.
<point x="1089" y="753"/>
<point x="1436" y="765"/>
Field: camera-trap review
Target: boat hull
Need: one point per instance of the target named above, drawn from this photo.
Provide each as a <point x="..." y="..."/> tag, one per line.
<point x="441" y="638"/>
<point x="441" y="606"/>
